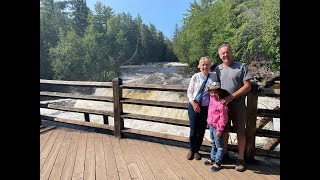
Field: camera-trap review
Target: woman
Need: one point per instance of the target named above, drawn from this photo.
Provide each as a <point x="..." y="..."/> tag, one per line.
<point x="198" y="106"/>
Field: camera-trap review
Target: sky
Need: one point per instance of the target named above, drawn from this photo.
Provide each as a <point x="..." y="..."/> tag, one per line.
<point x="164" y="14"/>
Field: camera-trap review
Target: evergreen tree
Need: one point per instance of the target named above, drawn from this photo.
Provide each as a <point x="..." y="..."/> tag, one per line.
<point x="80" y="13"/>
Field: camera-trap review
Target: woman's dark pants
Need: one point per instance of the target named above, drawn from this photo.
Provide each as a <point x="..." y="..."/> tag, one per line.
<point x="198" y="124"/>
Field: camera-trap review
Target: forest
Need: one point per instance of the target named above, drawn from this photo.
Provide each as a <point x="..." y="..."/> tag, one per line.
<point x="77" y="43"/>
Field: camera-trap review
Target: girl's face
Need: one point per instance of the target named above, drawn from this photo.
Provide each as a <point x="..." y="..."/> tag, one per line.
<point x="214" y="93"/>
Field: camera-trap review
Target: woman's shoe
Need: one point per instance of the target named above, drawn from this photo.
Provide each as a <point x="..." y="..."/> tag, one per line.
<point x="190" y="155"/>
<point x="197" y="156"/>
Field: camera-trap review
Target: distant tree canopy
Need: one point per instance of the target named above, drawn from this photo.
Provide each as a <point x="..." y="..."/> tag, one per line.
<point x="251" y="27"/>
<point x="79" y="44"/>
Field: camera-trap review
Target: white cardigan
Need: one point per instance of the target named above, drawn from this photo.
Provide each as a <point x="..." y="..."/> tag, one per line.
<point x="195" y="84"/>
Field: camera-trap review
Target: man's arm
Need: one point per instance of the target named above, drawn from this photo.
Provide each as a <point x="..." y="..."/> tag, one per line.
<point x="243" y="90"/>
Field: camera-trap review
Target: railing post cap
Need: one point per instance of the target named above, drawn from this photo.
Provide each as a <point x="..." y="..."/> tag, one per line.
<point x="117" y="79"/>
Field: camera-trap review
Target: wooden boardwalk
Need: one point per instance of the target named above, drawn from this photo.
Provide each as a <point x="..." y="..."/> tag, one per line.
<point x="67" y="153"/>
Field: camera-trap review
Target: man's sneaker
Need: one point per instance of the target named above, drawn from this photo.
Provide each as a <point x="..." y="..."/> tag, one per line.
<point x="208" y="162"/>
<point x="197" y="156"/>
<point x="190" y="155"/>
<point x="241" y="165"/>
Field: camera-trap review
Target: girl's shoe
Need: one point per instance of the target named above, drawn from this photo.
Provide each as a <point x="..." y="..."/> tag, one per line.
<point x="208" y="162"/>
<point x="215" y="167"/>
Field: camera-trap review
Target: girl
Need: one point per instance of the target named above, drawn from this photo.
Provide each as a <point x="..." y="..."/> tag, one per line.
<point x="217" y="120"/>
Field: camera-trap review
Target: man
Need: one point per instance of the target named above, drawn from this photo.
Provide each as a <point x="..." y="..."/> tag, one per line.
<point x="235" y="79"/>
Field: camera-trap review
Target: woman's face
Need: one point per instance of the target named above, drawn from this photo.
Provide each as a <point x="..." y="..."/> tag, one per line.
<point x="204" y="66"/>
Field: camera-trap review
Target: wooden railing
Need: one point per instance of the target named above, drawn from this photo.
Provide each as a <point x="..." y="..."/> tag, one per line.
<point x="253" y="128"/>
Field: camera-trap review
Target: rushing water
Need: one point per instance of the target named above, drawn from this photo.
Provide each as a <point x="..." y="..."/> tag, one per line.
<point x="159" y="73"/>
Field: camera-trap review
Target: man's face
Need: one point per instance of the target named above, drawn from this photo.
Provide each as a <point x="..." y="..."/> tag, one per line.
<point x="225" y="54"/>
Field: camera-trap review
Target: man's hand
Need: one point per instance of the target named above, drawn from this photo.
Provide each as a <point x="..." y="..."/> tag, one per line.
<point x="227" y="99"/>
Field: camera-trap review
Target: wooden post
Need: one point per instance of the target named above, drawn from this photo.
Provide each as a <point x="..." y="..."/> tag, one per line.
<point x="252" y="108"/>
<point x="105" y="119"/>
<point x="86" y="117"/>
<point x="117" y="107"/>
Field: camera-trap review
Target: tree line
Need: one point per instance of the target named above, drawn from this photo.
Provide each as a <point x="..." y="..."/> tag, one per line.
<point x="77" y="43"/>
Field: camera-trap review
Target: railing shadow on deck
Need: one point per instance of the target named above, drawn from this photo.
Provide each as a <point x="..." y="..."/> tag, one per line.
<point x="253" y="128"/>
<point x="44" y="129"/>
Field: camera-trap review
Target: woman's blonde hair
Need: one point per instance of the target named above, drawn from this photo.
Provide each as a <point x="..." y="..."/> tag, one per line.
<point x="205" y="58"/>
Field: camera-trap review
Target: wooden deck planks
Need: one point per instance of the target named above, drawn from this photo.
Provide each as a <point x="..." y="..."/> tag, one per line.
<point x="160" y="160"/>
<point x="78" y="171"/>
<point x="112" y="171"/>
<point x="200" y="164"/>
<point x="159" y="166"/>
<point x="181" y="159"/>
<point x="173" y="163"/>
<point x="71" y="157"/>
<point x="199" y="168"/>
<point x="131" y="163"/>
<point x="145" y="170"/>
<point x="45" y="133"/>
<point x="120" y="160"/>
<point x="155" y="168"/>
<point x="260" y="171"/>
<point x="45" y="172"/>
<point x="47" y="147"/>
<point x="226" y="171"/>
<point x="90" y="163"/>
<point x="61" y="157"/>
<point x="101" y="171"/>
<point x="77" y="154"/>
<point x="272" y="163"/>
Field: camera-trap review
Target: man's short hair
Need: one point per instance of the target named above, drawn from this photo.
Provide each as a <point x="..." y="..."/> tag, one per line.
<point x="223" y="45"/>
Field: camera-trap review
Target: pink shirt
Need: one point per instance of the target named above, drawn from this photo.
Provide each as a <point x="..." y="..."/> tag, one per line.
<point x="217" y="114"/>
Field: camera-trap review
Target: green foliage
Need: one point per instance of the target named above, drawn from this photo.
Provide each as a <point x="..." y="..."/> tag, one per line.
<point x="271" y="30"/>
<point x="86" y="58"/>
<point x="79" y="15"/>
<point x="169" y="54"/>
<point x="67" y="57"/>
<point x="52" y="17"/>
<point x="82" y="45"/>
<point x="251" y="27"/>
